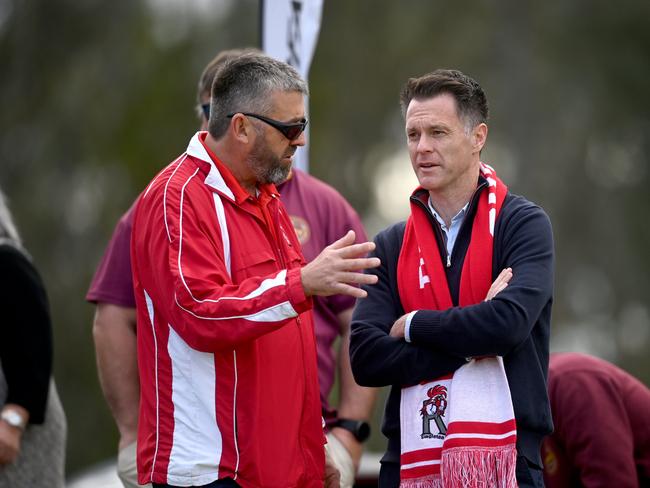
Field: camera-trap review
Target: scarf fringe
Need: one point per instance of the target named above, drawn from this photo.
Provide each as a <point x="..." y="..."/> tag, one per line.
<point x="472" y="467"/>
<point x="430" y="481"/>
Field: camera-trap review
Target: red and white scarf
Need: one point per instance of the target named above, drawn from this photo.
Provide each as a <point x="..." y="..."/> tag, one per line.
<point x="457" y="430"/>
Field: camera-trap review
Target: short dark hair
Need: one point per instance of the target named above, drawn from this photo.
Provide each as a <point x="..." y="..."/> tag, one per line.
<point x="244" y="84"/>
<point x="471" y="101"/>
<point x="204" y="87"/>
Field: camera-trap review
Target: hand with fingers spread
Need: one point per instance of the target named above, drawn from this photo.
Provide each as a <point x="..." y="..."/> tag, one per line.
<point x="499" y="284"/>
<point x="339" y="268"/>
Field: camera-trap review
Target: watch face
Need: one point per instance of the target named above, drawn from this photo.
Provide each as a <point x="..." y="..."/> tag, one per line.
<point x="363" y="431"/>
<point x="12" y="418"/>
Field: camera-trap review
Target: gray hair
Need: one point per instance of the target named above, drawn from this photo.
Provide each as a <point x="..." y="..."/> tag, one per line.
<point x="204" y="88"/>
<point x="244" y="84"/>
<point x="8" y="230"/>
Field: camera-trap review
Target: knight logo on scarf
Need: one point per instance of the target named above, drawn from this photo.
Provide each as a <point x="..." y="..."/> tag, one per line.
<point x="457" y="430"/>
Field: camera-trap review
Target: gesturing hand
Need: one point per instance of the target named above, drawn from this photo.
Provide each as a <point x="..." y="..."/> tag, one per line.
<point x="339" y="267"/>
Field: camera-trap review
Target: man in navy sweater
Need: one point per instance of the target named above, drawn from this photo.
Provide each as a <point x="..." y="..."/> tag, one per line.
<point x="392" y="344"/>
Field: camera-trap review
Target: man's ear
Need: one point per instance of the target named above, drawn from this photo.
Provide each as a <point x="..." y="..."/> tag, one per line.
<point x="479" y="136"/>
<point x="241" y="128"/>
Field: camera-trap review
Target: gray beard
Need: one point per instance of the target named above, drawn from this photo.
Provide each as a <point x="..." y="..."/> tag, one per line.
<point x="267" y="167"/>
<point x="277" y="174"/>
<point x="269" y="173"/>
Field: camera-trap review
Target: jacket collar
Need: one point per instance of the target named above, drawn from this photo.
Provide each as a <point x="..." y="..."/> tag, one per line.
<point x="219" y="177"/>
<point x="215" y="168"/>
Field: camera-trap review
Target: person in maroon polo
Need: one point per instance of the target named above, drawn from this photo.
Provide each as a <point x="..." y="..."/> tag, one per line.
<point x="602" y="425"/>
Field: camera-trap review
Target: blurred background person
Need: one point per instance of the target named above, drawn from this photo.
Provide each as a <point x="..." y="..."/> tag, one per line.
<point x="32" y="422"/>
<point x="602" y="425"/>
<point x="320" y="215"/>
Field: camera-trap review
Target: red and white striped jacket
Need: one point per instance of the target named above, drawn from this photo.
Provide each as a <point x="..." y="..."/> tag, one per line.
<point x="226" y="347"/>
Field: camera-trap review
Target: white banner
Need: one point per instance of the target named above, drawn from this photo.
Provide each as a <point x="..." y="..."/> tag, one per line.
<point x="289" y="33"/>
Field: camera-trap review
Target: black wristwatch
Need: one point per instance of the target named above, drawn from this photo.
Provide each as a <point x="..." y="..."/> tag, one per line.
<point x="359" y="429"/>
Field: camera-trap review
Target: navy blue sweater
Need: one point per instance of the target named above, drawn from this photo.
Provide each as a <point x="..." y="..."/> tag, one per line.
<point x="515" y="324"/>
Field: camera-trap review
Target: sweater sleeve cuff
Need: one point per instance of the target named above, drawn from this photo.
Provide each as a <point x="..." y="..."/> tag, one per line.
<point x="35" y="406"/>
<point x="423" y="327"/>
<point x="407" y="326"/>
<point x="300" y="302"/>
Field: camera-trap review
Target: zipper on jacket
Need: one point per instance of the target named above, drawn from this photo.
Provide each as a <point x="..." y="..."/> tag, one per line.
<point x="304" y="390"/>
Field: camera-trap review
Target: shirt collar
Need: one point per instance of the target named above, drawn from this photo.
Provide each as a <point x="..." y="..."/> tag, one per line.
<point x="456" y="218"/>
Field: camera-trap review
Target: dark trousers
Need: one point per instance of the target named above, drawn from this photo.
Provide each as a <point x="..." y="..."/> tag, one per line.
<point x="226" y="482"/>
<point x="528" y="476"/>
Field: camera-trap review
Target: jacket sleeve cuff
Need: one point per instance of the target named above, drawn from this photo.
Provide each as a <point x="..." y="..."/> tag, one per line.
<point x="423" y="327"/>
<point x="300" y="302"/>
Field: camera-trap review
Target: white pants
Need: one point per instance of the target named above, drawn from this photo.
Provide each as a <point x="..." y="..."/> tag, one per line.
<point x="341" y="459"/>
<point x="127" y="468"/>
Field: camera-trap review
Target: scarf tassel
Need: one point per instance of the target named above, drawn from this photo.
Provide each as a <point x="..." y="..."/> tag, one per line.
<point x="495" y="467"/>
<point x="431" y="481"/>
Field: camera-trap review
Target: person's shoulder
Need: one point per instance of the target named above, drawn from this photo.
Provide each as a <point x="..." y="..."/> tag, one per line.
<point x="124" y="225"/>
<point x="388" y="243"/>
<point x="571" y="362"/>
<point x="518" y="210"/>
<point x="126" y="220"/>
<point x="170" y="179"/>
<point x="15" y="262"/>
<point x="174" y="186"/>
<point x="11" y="254"/>
<point x="514" y="204"/>
<point x="577" y="370"/>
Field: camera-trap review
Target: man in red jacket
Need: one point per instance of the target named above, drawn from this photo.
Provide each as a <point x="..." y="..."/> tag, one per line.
<point x="602" y="425"/>
<point x="320" y="215"/>
<point x="226" y="347"/>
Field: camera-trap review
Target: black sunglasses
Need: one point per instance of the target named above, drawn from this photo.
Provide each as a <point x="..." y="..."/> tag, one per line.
<point x="206" y="110"/>
<point x="290" y="130"/>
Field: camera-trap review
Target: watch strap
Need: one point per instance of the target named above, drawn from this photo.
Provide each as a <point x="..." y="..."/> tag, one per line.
<point x="358" y="428"/>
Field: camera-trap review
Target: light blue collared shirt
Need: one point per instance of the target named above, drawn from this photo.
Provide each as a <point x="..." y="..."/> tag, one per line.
<point x="451" y="233"/>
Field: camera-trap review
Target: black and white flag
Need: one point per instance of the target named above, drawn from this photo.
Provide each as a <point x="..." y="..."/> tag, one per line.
<point x="289" y="33"/>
